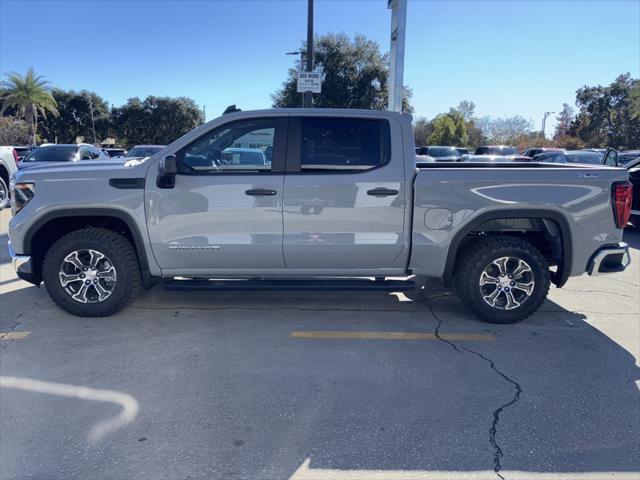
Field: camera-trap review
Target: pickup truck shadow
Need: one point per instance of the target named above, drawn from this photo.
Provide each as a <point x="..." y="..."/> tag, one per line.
<point x="246" y="399"/>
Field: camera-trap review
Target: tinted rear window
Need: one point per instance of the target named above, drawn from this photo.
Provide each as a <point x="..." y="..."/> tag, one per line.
<point x="584" y="157"/>
<point x="496" y="151"/>
<point x="22" y="152"/>
<point x="343" y="144"/>
<point x="52" y="154"/>
<point x="442" y="152"/>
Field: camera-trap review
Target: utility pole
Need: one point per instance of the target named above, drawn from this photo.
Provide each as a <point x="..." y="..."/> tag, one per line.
<point x="308" y="96"/>
<point x="396" y="71"/>
<point x="544" y="121"/>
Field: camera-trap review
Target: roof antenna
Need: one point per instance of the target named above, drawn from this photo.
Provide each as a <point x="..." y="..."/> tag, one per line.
<point x="231" y="109"/>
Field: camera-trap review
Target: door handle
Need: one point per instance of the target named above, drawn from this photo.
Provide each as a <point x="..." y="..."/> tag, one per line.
<point x="382" y="192"/>
<point x="258" y="192"/>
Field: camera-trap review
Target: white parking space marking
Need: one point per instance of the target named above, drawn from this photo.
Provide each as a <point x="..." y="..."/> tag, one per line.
<point x="99" y="430"/>
<point x="305" y="472"/>
<point x="13" y="335"/>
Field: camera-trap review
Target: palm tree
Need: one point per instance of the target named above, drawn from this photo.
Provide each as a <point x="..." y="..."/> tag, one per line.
<point x="30" y="96"/>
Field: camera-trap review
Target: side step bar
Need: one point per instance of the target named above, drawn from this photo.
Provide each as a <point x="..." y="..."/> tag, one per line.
<point x="290" y="284"/>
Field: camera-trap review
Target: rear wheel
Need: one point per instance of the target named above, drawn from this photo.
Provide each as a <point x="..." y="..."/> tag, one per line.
<point x="502" y="279"/>
<point x="91" y="272"/>
<point x="4" y="193"/>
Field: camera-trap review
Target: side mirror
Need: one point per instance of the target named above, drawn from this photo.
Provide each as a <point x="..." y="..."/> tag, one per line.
<point x="168" y="165"/>
<point x="168" y="169"/>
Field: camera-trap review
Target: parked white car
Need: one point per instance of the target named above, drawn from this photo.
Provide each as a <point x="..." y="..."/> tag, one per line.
<point x="10" y="158"/>
<point x="54" y="154"/>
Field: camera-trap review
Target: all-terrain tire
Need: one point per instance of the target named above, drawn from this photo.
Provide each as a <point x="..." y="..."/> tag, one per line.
<point x="479" y="256"/>
<point x="122" y="256"/>
<point x="4" y="193"/>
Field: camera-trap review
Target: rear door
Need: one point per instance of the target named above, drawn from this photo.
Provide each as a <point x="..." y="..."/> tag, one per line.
<point x="344" y="195"/>
<point x="224" y="214"/>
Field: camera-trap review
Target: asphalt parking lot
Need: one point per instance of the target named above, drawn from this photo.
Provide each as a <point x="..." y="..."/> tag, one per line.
<point x="343" y="385"/>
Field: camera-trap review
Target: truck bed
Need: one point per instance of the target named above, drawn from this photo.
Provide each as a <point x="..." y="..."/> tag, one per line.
<point x="453" y="199"/>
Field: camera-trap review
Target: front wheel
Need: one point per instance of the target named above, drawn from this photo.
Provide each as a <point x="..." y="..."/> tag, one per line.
<point x="91" y="272"/>
<point x="502" y="279"/>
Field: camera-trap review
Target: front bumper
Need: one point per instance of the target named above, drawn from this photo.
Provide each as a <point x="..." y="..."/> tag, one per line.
<point x="22" y="265"/>
<point x="611" y="259"/>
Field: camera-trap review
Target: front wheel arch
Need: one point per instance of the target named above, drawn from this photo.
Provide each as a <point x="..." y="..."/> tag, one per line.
<point x="52" y="226"/>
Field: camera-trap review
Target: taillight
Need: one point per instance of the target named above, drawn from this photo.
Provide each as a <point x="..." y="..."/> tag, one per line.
<point x="16" y="158"/>
<point x="622" y="197"/>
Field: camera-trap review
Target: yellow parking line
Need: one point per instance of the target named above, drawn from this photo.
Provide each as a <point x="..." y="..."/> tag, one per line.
<point x="472" y="337"/>
<point x="13" y="335"/>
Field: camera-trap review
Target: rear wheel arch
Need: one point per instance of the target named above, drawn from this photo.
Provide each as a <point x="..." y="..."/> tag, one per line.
<point x="52" y="226"/>
<point x="540" y="227"/>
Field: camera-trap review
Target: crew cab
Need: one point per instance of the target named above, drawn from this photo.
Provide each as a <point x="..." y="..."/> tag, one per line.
<point x="341" y="204"/>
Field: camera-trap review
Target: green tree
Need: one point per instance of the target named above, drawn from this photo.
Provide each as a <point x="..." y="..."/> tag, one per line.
<point x="422" y="129"/>
<point x="355" y="75"/>
<point x="608" y="115"/>
<point x="74" y="119"/>
<point x="449" y="129"/>
<point x="156" y="120"/>
<point x="29" y="95"/>
<point x="13" y="131"/>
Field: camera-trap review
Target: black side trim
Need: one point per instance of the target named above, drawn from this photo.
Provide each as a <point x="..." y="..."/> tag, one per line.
<point x="564" y="269"/>
<point x="127" y="183"/>
<point x="147" y="279"/>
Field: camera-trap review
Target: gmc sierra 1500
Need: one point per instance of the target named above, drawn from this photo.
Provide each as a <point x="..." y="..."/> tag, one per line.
<point x="310" y="198"/>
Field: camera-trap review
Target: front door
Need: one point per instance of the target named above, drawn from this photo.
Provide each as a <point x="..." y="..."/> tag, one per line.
<point x="345" y="195"/>
<point x="224" y="213"/>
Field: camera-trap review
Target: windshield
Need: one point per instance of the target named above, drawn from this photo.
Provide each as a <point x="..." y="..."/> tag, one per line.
<point x="52" y="154"/>
<point x="115" y="153"/>
<point x="593" y="158"/>
<point x="143" y="151"/>
<point x="496" y="151"/>
<point x="443" y="152"/>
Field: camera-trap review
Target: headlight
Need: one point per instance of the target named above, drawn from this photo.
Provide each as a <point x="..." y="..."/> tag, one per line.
<point x="21" y="194"/>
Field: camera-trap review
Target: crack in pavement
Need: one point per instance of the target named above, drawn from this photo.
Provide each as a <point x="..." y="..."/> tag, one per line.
<point x="493" y="431"/>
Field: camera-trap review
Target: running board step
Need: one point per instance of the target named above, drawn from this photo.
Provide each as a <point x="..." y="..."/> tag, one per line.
<point x="291" y="284"/>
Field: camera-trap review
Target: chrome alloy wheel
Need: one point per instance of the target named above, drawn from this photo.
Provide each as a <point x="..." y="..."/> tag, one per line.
<point x="88" y="276"/>
<point x="506" y="283"/>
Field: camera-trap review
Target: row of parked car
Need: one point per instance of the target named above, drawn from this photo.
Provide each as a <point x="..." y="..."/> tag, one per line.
<point x="505" y="153"/>
<point x="14" y="158"/>
<point x="629" y="159"/>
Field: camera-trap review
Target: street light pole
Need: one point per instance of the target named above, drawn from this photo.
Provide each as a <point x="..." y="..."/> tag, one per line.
<point x="308" y="96"/>
<point x="544" y="121"/>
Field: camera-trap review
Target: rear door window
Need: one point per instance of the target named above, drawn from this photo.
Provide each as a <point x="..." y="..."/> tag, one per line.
<point x="343" y="145"/>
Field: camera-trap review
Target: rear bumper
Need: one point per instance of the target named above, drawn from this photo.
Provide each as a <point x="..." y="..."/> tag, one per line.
<point x="611" y="259"/>
<point x="22" y="265"/>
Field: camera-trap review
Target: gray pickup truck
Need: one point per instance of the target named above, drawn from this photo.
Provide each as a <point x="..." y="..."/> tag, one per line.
<point x="297" y="198"/>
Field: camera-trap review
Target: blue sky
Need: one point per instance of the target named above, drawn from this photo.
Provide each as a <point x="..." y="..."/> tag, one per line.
<point x="509" y="57"/>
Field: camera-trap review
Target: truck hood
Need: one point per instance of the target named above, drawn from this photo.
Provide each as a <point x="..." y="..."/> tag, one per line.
<point x="59" y="170"/>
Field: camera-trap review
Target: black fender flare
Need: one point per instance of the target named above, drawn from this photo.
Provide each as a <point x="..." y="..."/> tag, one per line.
<point x="564" y="268"/>
<point x="147" y="279"/>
